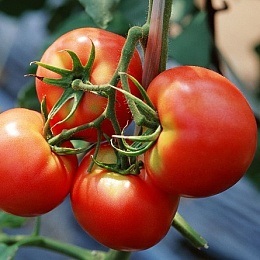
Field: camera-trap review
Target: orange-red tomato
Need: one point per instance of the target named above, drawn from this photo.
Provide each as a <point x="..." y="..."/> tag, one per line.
<point x="33" y="179"/>
<point x="123" y="212"/>
<point x="209" y="132"/>
<point x="108" y="48"/>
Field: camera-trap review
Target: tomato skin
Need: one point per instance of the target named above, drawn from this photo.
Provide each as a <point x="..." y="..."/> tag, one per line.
<point x="33" y="180"/>
<point x="108" y="48"/>
<point x="209" y="132"/>
<point x="123" y="212"/>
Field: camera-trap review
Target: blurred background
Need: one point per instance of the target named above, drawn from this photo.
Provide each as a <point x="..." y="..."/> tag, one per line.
<point x="222" y="35"/>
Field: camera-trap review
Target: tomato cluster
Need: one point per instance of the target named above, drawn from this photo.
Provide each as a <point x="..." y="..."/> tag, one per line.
<point x="198" y="137"/>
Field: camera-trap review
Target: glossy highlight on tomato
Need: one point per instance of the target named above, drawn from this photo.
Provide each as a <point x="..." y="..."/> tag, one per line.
<point x="33" y="179"/>
<point x="108" y="48"/>
<point x="123" y="212"/>
<point x="209" y="132"/>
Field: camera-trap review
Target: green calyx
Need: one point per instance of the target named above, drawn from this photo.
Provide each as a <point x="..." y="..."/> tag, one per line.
<point x="78" y="71"/>
<point x="134" y="167"/>
<point x="68" y="81"/>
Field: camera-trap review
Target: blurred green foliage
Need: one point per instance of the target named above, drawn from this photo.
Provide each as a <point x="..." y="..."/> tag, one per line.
<point x="10" y="221"/>
<point x="195" y="41"/>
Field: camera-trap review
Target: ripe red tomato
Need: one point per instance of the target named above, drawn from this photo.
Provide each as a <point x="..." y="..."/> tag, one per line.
<point x="33" y="180"/>
<point x="108" y="48"/>
<point x="123" y="212"/>
<point x="209" y="132"/>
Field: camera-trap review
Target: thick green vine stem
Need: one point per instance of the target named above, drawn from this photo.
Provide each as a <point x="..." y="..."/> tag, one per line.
<point x="180" y="224"/>
<point x="154" y="43"/>
<point x="156" y="51"/>
<point x="13" y="243"/>
<point x="117" y="255"/>
<point x="143" y="113"/>
<point x="57" y="246"/>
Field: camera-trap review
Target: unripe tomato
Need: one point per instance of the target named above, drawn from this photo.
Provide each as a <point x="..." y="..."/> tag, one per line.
<point x="209" y="132"/>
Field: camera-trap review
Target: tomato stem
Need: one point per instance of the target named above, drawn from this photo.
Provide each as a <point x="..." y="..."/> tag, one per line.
<point x="156" y="51"/>
<point x="181" y="225"/>
<point x="154" y="43"/>
<point x="78" y="84"/>
<point x="165" y="34"/>
<point x="67" y="134"/>
<point x="51" y="244"/>
<point x="97" y="146"/>
<point x="37" y="226"/>
<point x="117" y="255"/>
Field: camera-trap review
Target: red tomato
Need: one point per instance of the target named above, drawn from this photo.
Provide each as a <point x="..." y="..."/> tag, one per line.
<point x="209" y="132"/>
<point x="123" y="212"/>
<point x="33" y="180"/>
<point x="108" y="48"/>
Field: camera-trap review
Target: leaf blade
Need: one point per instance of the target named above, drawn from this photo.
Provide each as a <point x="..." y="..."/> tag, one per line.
<point x="101" y="11"/>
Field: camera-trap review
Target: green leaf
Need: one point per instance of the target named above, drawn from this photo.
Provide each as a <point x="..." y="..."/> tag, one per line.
<point x="8" y="252"/>
<point x="61" y="13"/>
<point x="101" y="11"/>
<point x="194" y="45"/>
<point x="134" y="11"/>
<point x="2" y="247"/>
<point x="126" y="14"/>
<point x="11" y="221"/>
<point x="118" y="25"/>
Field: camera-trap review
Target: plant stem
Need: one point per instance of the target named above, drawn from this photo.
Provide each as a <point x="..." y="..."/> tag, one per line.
<point x="154" y="44"/>
<point x="165" y="33"/>
<point x="53" y="245"/>
<point x="67" y="134"/>
<point x="180" y="224"/>
<point x="37" y="226"/>
<point x="117" y="255"/>
<point x="156" y="52"/>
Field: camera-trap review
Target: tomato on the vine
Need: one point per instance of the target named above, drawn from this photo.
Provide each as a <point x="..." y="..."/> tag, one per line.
<point x="209" y="132"/>
<point x="123" y="212"/>
<point x="108" y="47"/>
<point x="33" y="179"/>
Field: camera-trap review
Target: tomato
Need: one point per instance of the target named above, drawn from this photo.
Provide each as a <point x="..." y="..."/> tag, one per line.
<point x="33" y="180"/>
<point x="209" y="132"/>
<point x="108" y="48"/>
<point x="123" y="212"/>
